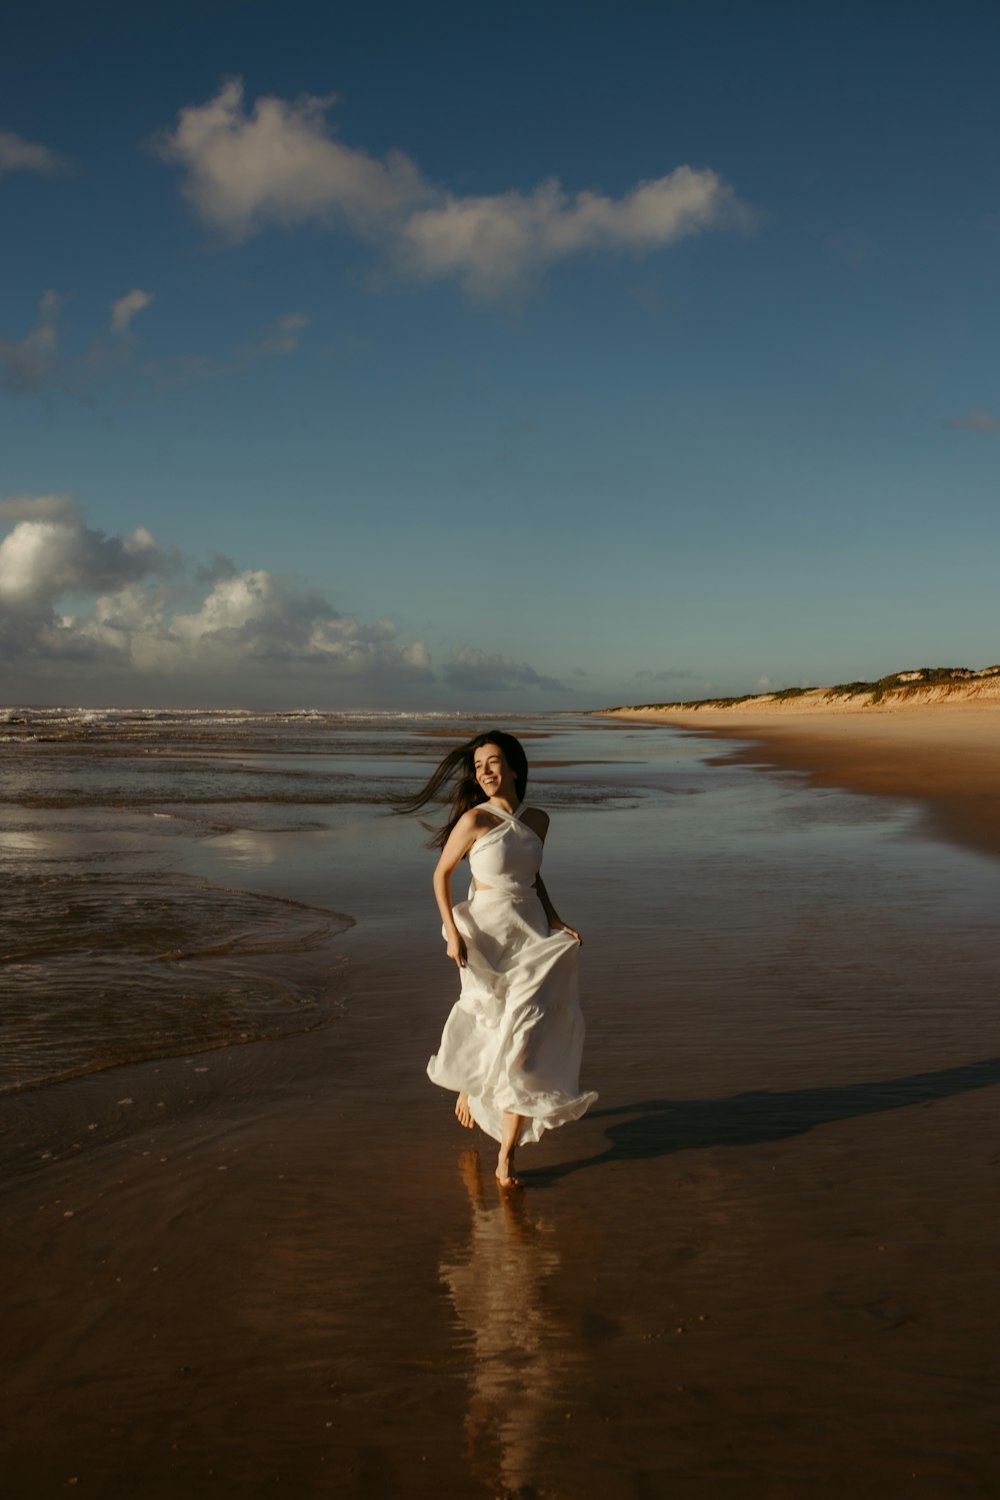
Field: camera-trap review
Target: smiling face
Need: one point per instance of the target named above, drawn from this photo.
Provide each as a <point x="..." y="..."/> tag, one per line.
<point x="493" y="773"/>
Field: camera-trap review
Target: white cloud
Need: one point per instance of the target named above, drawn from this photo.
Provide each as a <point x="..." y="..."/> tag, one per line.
<point x="138" y="620"/>
<point x="280" y="165"/>
<point x="124" y="309"/>
<point x="39" y="508"/>
<point x="19" y="155"/>
<point x="490" y="242"/>
<point x="26" y="364"/>
<point x="977" y="421"/>
<point x="50" y="552"/>
<point x="475" y="671"/>
<point x="120" y="618"/>
<point x="254" y="616"/>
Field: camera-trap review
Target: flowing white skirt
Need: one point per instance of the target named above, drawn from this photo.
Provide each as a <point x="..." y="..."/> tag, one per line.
<point x="514" y="1038"/>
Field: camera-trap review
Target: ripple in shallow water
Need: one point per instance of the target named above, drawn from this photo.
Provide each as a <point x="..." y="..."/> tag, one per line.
<point x="100" y="970"/>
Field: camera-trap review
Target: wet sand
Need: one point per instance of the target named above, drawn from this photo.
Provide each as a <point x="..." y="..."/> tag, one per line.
<point x="310" y="1290"/>
<point x="764" y="1265"/>
<point x="945" y="756"/>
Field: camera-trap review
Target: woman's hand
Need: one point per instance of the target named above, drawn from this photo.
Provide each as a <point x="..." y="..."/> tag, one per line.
<point x="456" y="948"/>
<point x="565" y="927"/>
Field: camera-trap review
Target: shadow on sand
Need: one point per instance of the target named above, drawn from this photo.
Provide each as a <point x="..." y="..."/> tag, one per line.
<point x="659" y="1127"/>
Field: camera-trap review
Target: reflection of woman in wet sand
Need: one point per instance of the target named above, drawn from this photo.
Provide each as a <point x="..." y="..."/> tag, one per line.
<point x="512" y="1044"/>
<point x="522" y="1357"/>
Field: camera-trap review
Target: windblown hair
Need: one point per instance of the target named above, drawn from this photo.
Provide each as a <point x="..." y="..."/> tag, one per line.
<point x="455" y="780"/>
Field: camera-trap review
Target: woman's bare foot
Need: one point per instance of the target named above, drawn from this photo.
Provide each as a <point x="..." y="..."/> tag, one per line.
<point x="509" y="1137"/>
<point x="505" y="1172"/>
<point x="463" y="1113"/>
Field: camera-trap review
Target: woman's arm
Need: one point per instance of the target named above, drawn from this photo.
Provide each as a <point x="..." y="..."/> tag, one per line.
<point x="538" y="822"/>
<point x="553" y="918"/>
<point x="460" y="841"/>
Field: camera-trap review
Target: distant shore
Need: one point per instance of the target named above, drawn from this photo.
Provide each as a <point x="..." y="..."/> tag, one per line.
<point x="925" y="687"/>
<point x="935" y="745"/>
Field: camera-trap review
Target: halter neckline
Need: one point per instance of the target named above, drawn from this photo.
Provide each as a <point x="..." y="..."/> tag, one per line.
<point x="501" y="812"/>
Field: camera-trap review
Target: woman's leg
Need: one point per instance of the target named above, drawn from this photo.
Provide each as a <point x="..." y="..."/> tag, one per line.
<point x="508" y="1140"/>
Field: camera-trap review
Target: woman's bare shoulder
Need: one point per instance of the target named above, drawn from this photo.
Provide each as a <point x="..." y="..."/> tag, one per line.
<point x="477" y="820"/>
<point x="473" y="823"/>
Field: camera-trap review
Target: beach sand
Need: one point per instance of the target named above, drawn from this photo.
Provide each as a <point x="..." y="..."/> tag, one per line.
<point x="944" y="755"/>
<point x="764" y="1265"/>
<point x="296" y="1289"/>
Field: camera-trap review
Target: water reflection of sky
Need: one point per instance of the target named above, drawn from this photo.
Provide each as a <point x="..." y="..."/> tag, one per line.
<point x="16" y="842"/>
<point x="244" y="847"/>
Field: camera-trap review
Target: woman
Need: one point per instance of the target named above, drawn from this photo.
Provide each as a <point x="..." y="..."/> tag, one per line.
<point x="511" y="1046"/>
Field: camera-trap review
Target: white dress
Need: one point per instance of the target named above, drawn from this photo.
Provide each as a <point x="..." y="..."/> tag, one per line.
<point x="514" y="1038"/>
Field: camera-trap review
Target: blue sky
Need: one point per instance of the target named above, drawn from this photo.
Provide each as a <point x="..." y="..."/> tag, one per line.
<point x="495" y="357"/>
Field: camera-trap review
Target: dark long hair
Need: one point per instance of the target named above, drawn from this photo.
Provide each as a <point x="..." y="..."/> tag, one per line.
<point x="455" y="780"/>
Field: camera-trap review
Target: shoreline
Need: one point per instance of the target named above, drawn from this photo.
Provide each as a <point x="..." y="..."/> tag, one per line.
<point x="763" y="1259"/>
<point x="941" y="755"/>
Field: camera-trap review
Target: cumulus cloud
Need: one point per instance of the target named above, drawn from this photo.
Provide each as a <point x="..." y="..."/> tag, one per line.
<point x="124" y="309"/>
<point x="279" y="164"/>
<point x="488" y="242"/>
<point x="254" y="616"/>
<point x="475" y="671"/>
<point x="977" y="421"/>
<point x="26" y="364"/>
<point x="39" y="508"/>
<point x="140" y="616"/>
<point x="19" y="155"/>
<point x="50" y="553"/>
